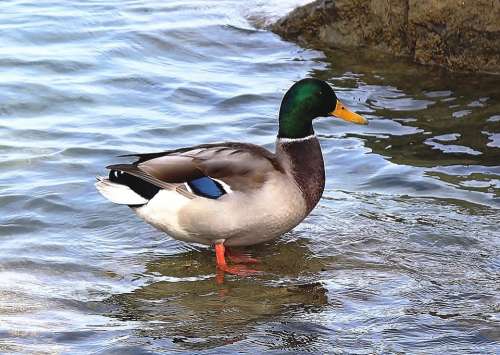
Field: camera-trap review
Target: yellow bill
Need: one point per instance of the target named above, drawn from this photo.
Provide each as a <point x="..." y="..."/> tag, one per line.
<point x="343" y="112"/>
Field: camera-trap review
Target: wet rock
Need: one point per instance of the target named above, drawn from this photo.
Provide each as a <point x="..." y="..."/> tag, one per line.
<point x="459" y="35"/>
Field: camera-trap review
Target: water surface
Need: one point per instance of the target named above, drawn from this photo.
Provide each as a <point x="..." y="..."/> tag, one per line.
<point x="400" y="256"/>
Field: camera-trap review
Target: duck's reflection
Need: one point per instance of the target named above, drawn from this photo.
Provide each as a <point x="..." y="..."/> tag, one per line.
<point x="189" y="307"/>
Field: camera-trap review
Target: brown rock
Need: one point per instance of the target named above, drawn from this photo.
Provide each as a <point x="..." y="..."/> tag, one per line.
<point x="459" y="35"/>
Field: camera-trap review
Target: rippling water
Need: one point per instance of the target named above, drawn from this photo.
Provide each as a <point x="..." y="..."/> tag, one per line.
<point x="401" y="255"/>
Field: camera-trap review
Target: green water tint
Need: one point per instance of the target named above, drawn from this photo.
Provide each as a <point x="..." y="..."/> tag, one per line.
<point x="189" y="309"/>
<point x="446" y="123"/>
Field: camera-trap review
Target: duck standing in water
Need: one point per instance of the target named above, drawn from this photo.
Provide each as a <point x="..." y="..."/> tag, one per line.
<point x="234" y="194"/>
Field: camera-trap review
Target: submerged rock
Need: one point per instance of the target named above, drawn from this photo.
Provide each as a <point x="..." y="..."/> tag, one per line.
<point x="459" y="35"/>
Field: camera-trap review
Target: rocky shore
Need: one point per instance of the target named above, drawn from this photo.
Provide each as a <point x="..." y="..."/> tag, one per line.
<point x="458" y="35"/>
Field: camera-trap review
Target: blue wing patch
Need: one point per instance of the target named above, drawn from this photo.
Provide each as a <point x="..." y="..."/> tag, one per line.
<point x="206" y="187"/>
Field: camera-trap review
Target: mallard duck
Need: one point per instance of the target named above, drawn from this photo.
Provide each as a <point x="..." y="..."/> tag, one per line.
<point x="234" y="194"/>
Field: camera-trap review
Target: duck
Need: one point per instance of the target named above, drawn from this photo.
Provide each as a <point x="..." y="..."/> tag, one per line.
<point x="234" y="194"/>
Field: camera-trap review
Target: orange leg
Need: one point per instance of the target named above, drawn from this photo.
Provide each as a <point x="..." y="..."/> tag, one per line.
<point x="219" y="254"/>
<point x="222" y="266"/>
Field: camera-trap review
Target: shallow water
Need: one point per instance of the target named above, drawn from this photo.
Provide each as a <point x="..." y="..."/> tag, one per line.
<point x="401" y="255"/>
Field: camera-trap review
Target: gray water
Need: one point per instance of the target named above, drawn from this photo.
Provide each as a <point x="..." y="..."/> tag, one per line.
<point x="400" y="256"/>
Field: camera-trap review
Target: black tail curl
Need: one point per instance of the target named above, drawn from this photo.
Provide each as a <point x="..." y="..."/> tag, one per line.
<point x="139" y="186"/>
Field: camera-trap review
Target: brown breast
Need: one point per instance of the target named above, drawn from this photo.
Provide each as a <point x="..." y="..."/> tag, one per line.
<point x="304" y="158"/>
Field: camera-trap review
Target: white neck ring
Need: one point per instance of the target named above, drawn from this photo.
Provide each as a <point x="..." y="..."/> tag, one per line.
<point x="293" y="140"/>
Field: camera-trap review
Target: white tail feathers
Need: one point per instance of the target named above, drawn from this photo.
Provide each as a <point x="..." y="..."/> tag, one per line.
<point x="118" y="193"/>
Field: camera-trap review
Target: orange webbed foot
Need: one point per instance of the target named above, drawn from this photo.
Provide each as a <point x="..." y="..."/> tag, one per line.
<point x="240" y="258"/>
<point x="240" y="270"/>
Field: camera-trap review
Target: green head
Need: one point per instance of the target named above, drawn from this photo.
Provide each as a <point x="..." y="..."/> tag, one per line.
<point x="306" y="100"/>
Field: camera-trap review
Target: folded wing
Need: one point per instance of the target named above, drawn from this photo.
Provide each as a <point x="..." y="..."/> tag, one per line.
<point x="206" y="170"/>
